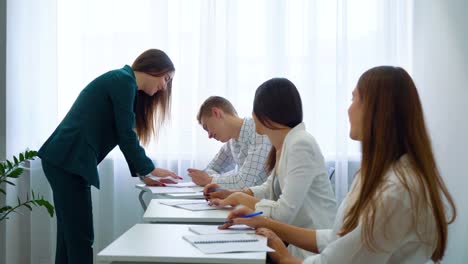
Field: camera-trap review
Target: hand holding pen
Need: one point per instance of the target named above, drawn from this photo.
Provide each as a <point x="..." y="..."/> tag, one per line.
<point x="244" y="216"/>
<point x="213" y="190"/>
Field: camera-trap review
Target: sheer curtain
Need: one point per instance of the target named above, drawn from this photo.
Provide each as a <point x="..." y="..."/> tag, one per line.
<point x="220" y="47"/>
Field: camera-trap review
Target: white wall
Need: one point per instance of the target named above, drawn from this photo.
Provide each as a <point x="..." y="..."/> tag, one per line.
<point x="441" y="73"/>
<point x="2" y="115"/>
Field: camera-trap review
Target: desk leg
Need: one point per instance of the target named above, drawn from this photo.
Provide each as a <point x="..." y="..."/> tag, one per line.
<point x="142" y="202"/>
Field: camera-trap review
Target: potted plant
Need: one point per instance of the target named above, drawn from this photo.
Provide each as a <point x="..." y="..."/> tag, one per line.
<point x="12" y="170"/>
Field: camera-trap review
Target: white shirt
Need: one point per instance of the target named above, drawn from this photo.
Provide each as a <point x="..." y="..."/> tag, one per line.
<point x="394" y="232"/>
<point x="248" y="153"/>
<point x="306" y="198"/>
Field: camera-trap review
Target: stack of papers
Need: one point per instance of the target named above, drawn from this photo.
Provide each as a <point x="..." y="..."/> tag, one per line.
<point x="222" y="243"/>
<point x="213" y="229"/>
<point x="178" y="184"/>
<point x="195" y="195"/>
<point x="181" y="184"/>
<point x="193" y="205"/>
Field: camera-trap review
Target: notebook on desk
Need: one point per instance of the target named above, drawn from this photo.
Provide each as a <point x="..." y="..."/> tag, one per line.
<point x="222" y="243"/>
<point x="193" y="205"/>
<point x="213" y="229"/>
<point x="195" y="195"/>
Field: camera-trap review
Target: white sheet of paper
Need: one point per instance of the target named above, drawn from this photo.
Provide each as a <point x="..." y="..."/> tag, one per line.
<point x="222" y="243"/>
<point x="181" y="184"/>
<point x="197" y="195"/>
<point x="213" y="229"/>
<point x="180" y="202"/>
<point x="200" y="206"/>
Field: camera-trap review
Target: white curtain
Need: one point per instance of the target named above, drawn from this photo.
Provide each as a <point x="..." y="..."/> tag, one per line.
<point x="220" y="47"/>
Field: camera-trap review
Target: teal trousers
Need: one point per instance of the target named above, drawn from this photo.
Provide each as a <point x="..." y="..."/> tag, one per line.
<point x="73" y="207"/>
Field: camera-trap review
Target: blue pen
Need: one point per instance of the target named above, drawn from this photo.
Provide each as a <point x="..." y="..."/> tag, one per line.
<point x="245" y="216"/>
<point x="251" y="215"/>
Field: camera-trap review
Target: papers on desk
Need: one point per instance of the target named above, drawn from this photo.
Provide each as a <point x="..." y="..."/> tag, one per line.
<point x="165" y="190"/>
<point x="192" y="205"/>
<point x="181" y="184"/>
<point x="178" y="184"/>
<point x="196" y="195"/>
<point x="213" y="229"/>
<point x="222" y="243"/>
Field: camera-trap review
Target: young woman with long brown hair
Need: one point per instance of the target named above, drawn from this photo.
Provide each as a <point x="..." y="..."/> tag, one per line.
<point x="121" y="107"/>
<point x="395" y="211"/>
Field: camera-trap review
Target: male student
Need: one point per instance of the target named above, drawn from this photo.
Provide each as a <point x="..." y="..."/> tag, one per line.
<point x="243" y="147"/>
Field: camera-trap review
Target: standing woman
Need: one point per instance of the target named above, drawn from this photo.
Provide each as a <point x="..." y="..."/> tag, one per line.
<point x="121" y="107"/>
<point x="397" y="210"/>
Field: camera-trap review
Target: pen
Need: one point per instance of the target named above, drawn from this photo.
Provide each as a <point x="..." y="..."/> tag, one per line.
<point x="251" y="215"/>
<point x="244" y="216"/>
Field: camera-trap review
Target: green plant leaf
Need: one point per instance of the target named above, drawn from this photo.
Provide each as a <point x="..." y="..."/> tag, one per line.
<point x="5" y="208"/>
<point x="10" y="166"/>
<point x="47" y="205"/>
<point x="15" y="173"/>
<point x="30" y="154"/>
<point x="10" y="170"/>
<point x="9" y="182"/>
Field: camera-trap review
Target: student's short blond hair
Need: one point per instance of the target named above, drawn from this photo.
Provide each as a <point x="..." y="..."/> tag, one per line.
<point x="215" y="101"/>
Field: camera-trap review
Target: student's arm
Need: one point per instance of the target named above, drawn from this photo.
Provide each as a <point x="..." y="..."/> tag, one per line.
<point x="301" y="237"/>
<point x="262" y="191"/>
<point x="304" y="163"/>
<point x="222" y="162"/>
<point x="122" y="93"/>
<point x="252" y="171"/>
<point x="393" y="224"/>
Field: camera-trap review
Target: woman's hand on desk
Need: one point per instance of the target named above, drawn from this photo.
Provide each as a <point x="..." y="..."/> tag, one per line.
<point x="158" y="172"/>
<point x="151" y="182"/>
<point x="235" y="199"/>
<point x="281" y="254"/>
<point x="213" y="190"/>
<point x="235" y="218"/>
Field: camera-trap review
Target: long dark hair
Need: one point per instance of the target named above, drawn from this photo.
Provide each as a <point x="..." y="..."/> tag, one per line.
<point x="152" y="111"/>
<point x="392" y="126"/>
<point x="277" y="100"/>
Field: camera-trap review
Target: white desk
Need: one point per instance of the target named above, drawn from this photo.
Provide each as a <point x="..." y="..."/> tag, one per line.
<point x="163" y="243"/>
<point x="161" y="213"/>
<point x="164" y="192"/>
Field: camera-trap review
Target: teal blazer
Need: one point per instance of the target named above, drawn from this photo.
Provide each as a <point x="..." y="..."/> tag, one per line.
<point x="101" y="118"/>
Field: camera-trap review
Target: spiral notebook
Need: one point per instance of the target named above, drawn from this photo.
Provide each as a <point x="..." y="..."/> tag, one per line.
<point x="196" y="195"/>
<point x="193" y="205"/>
<point x="213" y="229"/>
<point x="213" y="244"/>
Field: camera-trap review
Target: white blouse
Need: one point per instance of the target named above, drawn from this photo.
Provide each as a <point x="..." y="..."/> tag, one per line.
<point x="306" y="198"/>
<point x="396" y="238"/>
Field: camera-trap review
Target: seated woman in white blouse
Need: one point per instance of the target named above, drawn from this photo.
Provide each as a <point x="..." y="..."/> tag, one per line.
<point x="395" y="211"/>
<point x="298" y="190"/>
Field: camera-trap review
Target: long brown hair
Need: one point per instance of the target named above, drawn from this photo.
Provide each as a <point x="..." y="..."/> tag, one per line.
<point x="152" y="111"/>
<point x="392" y="126"/>
<point x="277" y="100"/>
